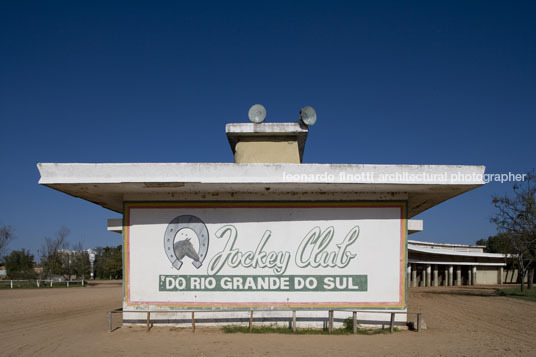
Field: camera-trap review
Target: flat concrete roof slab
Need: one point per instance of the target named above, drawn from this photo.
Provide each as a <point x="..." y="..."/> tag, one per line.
<point x="110" y="184"/>
<point x="454" y="252"/>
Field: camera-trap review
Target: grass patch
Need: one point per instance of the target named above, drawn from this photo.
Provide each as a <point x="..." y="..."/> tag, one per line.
<point x="530" y="295"/>
<point x="301" y="331"/>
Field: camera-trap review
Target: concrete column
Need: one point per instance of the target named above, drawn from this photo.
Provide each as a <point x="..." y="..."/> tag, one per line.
<point x="408" y="275"/>
<point x="428" y="275"/>
<point x="435" y="280"/>
<point x="445" y="275"/>
<point x="470" y="276"/>
<point x="451" y="273"/>
<point x="458" y="275"/>
<point x="414" y="275"/>
<point x="500" y="276"/>
<point x="474" y="276"/>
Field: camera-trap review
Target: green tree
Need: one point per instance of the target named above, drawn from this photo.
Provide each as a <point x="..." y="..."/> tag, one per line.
<point x="80" y="262"/>
<point x="495" y="244"/>
<point x="19" y="265"/>
<point x="109" y="262"/>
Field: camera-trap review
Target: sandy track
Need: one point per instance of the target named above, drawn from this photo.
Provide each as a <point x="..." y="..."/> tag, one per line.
<point x="461" y="322"/>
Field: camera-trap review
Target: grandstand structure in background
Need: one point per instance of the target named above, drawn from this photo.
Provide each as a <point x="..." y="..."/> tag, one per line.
<point x="445" y="264"/>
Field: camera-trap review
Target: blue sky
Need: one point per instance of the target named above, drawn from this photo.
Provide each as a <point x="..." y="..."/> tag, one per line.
<point x="392" y="82"/>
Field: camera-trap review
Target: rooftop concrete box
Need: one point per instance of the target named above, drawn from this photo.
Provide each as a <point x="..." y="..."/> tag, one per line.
<point x="271" y="236"/>
<point x="267" y="142"/>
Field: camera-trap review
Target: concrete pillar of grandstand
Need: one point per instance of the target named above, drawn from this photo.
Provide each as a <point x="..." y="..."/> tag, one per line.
<point x="423" y="276"/>
<point x="474" y="275"/>
<point x="458" y="275"/>
<point x="469" y="276"/>
<point x="434" y="280"/>
<point x="408" y="274"/>
<point x="428" y="275"/>
<point x="500" y="275"/>
<point x="451" y="275"/>
<point x="445" y="275"/>
<point x="414" y="275"/>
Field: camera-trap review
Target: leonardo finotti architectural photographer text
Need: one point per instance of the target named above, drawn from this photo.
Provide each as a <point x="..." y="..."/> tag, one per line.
<point x="405" y="177"/>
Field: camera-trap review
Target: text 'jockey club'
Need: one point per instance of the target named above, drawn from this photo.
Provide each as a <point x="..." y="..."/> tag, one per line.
<point x="312" y="252"/>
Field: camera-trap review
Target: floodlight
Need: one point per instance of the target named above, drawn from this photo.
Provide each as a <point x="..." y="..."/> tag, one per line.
<point x="308" y="115"/>
<point x="257" y="113"/>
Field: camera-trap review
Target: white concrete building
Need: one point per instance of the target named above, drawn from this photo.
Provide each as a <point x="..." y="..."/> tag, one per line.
<point x="442" y="264"/>
<point x="266" y="192"/>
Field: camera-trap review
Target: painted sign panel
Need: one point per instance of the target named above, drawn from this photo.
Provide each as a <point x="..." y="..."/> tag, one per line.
<point x="265" y="255"/>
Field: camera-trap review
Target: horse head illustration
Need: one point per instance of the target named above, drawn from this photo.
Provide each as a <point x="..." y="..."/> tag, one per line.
<point x="185" y="248"/>
<point x="176" y="250"/>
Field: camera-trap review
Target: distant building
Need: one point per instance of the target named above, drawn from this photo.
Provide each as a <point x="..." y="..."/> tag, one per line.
<point x="443" y="264"/>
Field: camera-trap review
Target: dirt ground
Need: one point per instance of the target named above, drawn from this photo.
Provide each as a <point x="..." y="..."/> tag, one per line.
<point x="465" y="321"/>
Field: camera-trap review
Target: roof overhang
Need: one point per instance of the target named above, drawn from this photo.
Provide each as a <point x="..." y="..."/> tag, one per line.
<point x="454" y="262"/>
<point x="415" y="226"/>
<point x="455" y="252"/>
<point x="424" y="244"/>
<point x="109" y="185"/>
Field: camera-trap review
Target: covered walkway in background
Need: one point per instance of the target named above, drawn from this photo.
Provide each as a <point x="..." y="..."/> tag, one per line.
<point x="441" y="264"/>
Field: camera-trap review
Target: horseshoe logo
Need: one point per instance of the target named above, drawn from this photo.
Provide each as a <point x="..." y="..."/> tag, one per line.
<point x="176" y="251"/>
